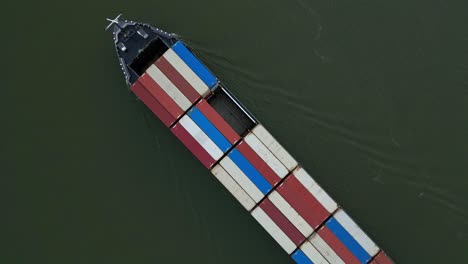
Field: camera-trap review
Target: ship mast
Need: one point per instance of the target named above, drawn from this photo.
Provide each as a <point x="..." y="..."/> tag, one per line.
<point x="113" y="21"/>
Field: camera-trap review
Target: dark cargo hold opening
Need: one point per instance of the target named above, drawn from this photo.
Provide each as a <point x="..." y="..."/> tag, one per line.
<point x="235" y="114"/>
<point x="148" y="56"/>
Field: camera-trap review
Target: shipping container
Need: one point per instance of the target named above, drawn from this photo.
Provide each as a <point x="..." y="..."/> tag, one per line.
<point x="346" y="239"/>
<point x="153" y="104"/>
<point x="262" y="159"/>
<point x="203" y="144"/>
<point x="200" y="70"/>
<point x="233" y="187"/>
<point x="290" y="213"/>
<point x="274" y="230"/>
<point x="249" y="184"/>
<point x="381" y="258"/>
<point x="270" y="142"/>
<point x="178" y="79"/>
<point x="325" y="250"/>
<point x="307" y="198"/>
<point x="159" y="94"/>
<point x="209" y="129"/>
<point x="169" y="88"/>
<point x="189" y="75"/>
<point x="193" y="145"/>
<point x="218" y="121"/>
<point x="282" y="222"/>
<point x="308" y="254"/>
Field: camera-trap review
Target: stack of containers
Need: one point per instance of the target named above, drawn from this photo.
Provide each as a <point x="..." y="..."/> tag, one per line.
<point x="205" y="133"/>
<point x="255" y="168"/>
<point x="304" y="205"/>
<point x="173" y="84"/>
<point x="303" y="219"/>
<point x="339" y="240"/>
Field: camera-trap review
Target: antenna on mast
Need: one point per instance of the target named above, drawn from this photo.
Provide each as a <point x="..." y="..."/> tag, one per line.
<point x="113" y="21"/>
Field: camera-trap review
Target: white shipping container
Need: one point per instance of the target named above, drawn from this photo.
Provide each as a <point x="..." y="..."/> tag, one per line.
<point x="324" y="249"/>
<point x="186" y="72"/>
<point x="233" y="187"/>
<point x="321" y="196"/>
<point x="266" y="155"/>
<point x="291" y="214"/>
<point x="272" y="229"/>
<point x="201" y="137"/>
<point x="241" y="179"/>
<point x="353" y="229"/>
<point x="267" y="139"/>
<point x="313" y="254"/>
<point x="169" y="87"/>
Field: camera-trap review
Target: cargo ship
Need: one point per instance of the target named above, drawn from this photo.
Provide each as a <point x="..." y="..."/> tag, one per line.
<point x="237" y="149"/>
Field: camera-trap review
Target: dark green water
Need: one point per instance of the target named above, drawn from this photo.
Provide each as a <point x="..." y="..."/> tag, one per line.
<point x="370" y="96"/>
